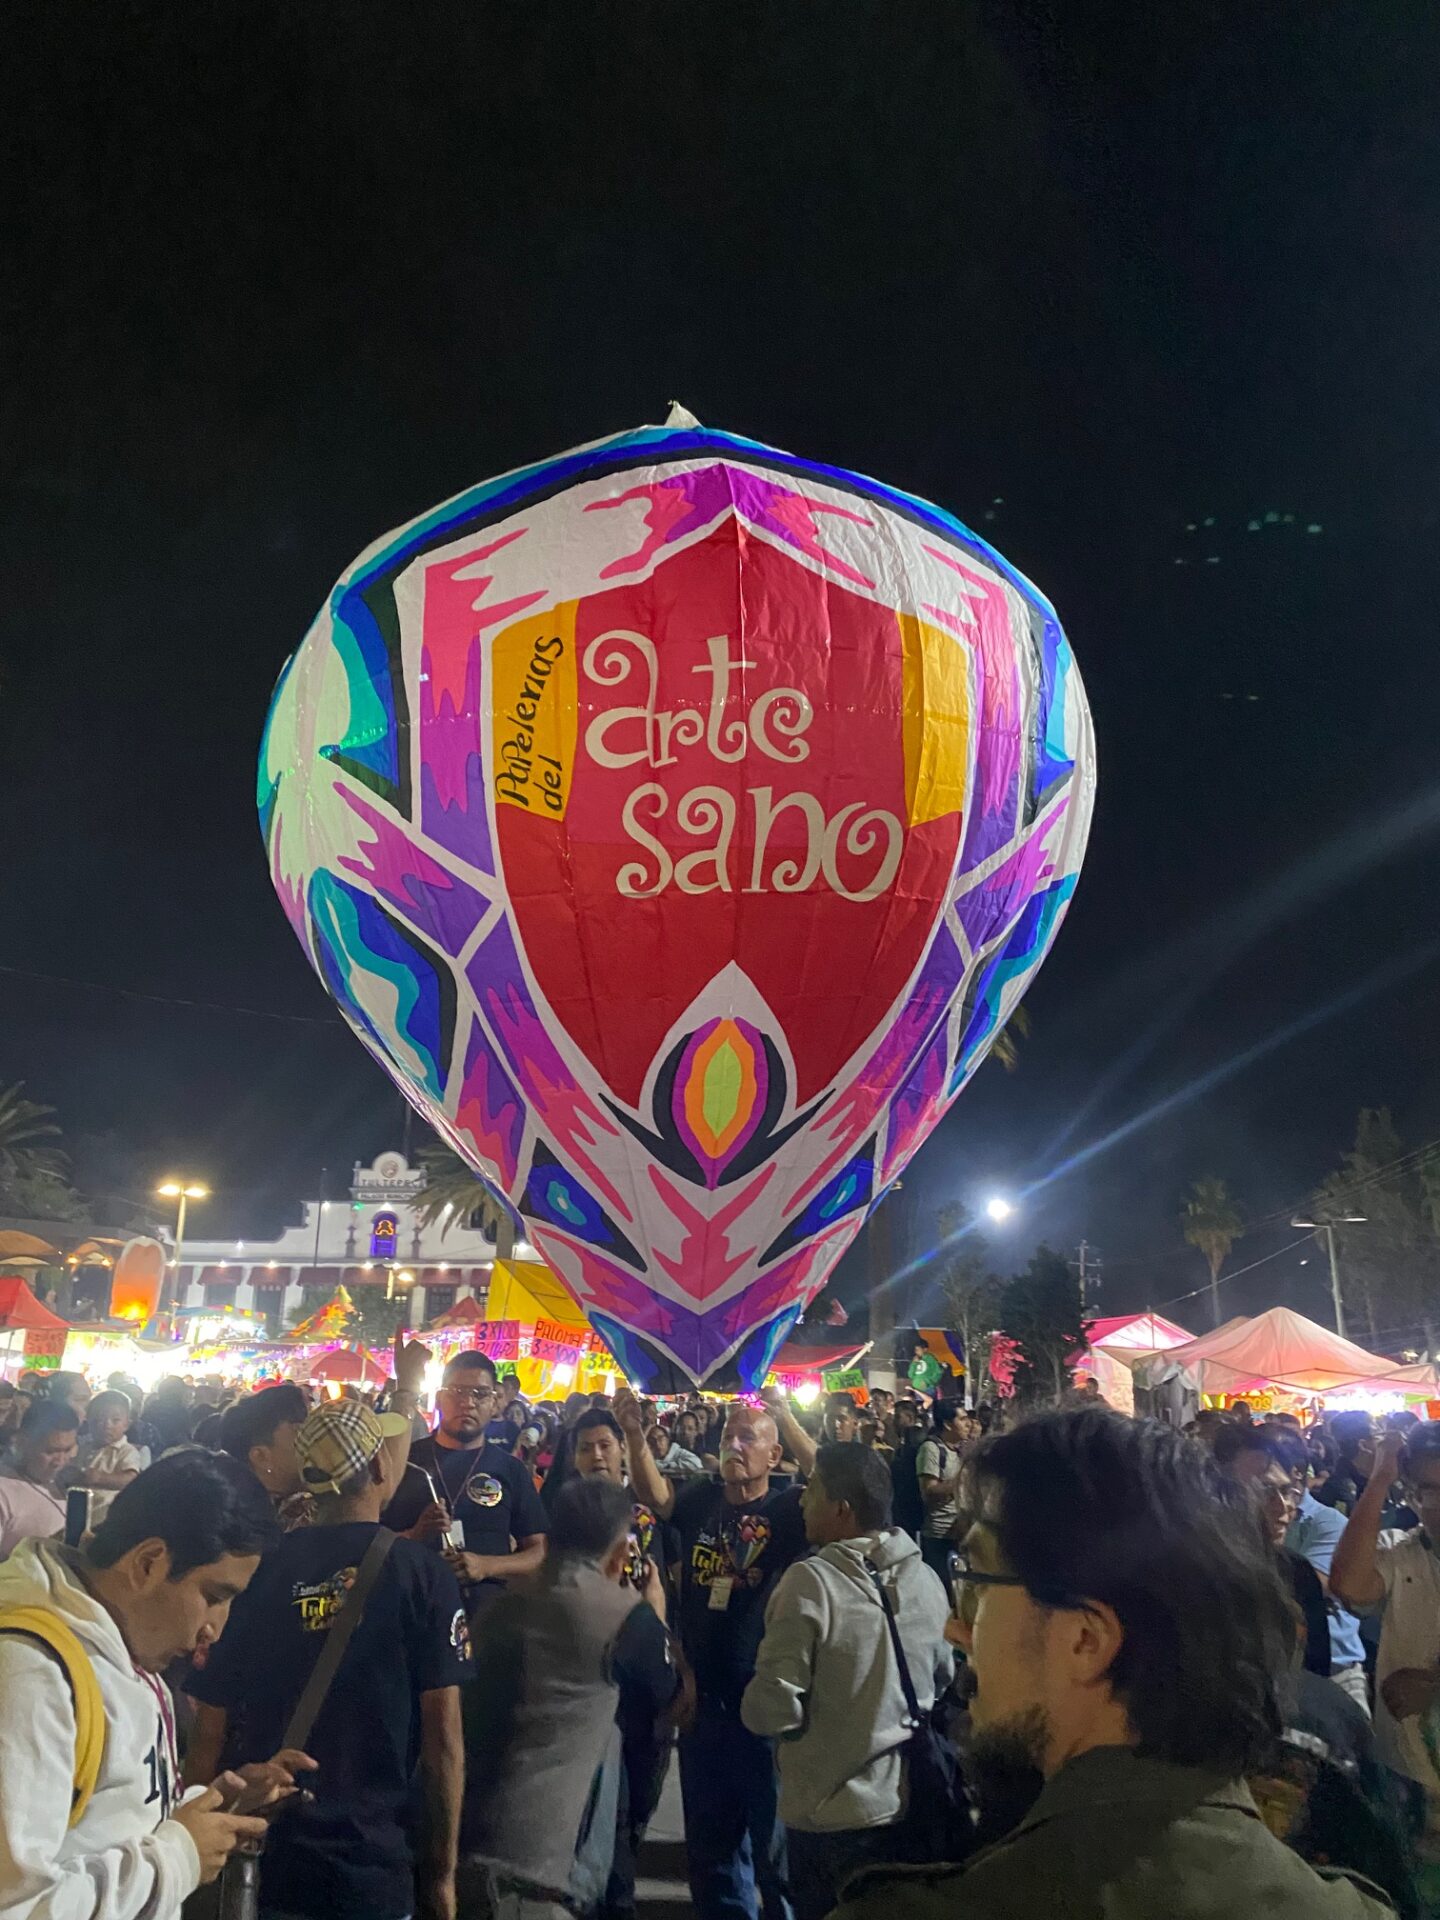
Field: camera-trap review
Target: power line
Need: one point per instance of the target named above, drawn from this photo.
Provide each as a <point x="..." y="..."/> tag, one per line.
<point x="1224" y="1277"/>
<point x="173" y="1000"/>
<point x="1407" y="1162"/>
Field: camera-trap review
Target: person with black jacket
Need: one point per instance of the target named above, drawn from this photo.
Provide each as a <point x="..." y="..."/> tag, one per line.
<point x="907" y="1506"/>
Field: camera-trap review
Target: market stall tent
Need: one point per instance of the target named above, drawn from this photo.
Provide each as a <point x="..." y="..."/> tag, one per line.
<point x="346" y="1366"/>
<point x="467" y="1312"/>
<point x="32" y="1332"/>
<point x="1280" y="1348"/>
<point x="1114" y="1346"/>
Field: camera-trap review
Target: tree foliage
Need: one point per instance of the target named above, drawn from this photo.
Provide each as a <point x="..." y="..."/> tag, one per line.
<point x="1390" y="1259"/>
<point x="1004" y="1047"/>
<point x="971" y="1291"/>
<point x="452" y="1186"/>
<point x="376" y="1318"/>
<point x="1212" y="1222"/>
<point x="42" y="1196"/>
<point x="1040" y="1312"/>
<point x="24" y="1125"/>
<point x="33" y="1182"/>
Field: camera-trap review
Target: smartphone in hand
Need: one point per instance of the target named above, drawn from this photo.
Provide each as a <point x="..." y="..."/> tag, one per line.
<point x="77" y="1515"/>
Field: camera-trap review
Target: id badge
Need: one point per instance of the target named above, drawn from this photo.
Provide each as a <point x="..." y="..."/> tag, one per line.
<point x="720" y="1591"/>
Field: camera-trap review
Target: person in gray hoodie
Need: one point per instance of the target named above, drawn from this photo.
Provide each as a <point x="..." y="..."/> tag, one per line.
<point x="826" y="1681"/>
<point x="119" y="1838"/>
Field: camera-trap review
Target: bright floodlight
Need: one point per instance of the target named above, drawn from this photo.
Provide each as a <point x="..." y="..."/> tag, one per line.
<point x="998" y="1208"/>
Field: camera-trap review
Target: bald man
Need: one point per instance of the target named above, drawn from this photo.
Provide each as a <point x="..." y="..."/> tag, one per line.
<point x="736" y="1539"/>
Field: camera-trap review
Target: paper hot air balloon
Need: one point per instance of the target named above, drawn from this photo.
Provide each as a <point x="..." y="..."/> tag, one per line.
<point x="679" y="821"/>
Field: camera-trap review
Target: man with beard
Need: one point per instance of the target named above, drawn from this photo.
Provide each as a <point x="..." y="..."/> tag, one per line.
<point x="735" y="1541"/>
<point x="482" y="1486"/>
<point x="1125" y="1622"/>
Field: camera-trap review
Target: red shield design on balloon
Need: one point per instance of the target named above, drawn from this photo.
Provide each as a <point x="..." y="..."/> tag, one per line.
<point x="729" y="761"/>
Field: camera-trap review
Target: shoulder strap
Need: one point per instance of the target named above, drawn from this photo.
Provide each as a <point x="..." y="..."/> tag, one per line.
<point x="352" y="1609"/>
<point x="46" y="1626"/>
<point x="911" y="1701"/>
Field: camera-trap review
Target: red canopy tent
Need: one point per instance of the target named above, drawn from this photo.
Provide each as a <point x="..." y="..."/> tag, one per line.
<point x="793" y="1358"/>
<point x="20" y="1308"/>
<point x="22" y="1314"/>
<point x="347" y="1367"/>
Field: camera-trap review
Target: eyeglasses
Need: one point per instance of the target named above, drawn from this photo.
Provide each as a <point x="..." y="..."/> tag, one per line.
<point x="971" y="1581"/>
<point x="1286" y="1496"/>
<point x="468" y="1393"/>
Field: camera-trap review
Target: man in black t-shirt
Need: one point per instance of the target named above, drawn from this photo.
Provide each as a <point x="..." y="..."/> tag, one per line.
<point x="736" y="1538"/>
<point x="390" y="1720"/>
<point x="485" y="1489"/>
<point x="600" y="1453"/>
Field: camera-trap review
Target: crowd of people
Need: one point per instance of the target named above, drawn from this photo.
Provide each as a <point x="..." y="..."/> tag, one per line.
<point x="358" y="1656"/>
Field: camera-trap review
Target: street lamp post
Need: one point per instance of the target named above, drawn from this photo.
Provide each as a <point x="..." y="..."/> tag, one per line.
<point x="1327" y="1227"/>
<point x="182" y="1191"/>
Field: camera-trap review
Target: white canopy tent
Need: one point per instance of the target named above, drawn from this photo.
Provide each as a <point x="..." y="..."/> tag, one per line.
<point x="1281" y="1349"/>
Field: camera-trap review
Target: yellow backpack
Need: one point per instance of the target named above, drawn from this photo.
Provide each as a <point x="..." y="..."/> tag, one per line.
<point x="40" y="1623"/>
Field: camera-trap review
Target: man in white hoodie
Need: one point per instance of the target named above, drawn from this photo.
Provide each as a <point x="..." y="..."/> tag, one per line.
<point x="153" y="1585"/>
<point x="826" y="1680"/>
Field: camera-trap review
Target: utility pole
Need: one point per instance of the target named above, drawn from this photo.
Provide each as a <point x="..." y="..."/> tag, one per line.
<point x="1087" y="1265"/>
<point x="319" y="1216"/>
<point x="1327" y="1227"/>
<point x="880" y="1264"/>
<point x="1334" y="1278"/>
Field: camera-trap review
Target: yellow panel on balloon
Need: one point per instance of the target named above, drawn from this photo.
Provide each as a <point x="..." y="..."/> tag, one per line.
<point x="534" y="706"/>
<point x="936" y="720"/>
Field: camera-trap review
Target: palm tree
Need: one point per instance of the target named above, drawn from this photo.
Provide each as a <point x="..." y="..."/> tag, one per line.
<point x="453" y="1189"/>
<point x="22" y="1123"/>
<point x="1211" y="1221"/>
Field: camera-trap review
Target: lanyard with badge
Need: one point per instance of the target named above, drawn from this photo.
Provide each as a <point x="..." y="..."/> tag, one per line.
<point x="470" y="1473"/>
<point x="722" y="1588"/>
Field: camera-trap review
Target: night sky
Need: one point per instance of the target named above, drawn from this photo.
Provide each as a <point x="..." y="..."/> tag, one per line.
<point x="1124" y="278"/>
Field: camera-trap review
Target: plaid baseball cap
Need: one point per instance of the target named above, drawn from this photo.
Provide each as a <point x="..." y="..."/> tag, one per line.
<point x="340" y="1439"/>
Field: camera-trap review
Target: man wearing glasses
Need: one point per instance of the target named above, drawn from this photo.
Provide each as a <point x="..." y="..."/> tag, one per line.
<point x="1125" y="1624"/>
<point x="1254" y="1459"/>
<point x="482" y="1488"/>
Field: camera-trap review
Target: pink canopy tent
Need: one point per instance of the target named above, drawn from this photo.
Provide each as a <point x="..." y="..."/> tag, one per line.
<point x="1114" y="1345"/>
<point x="1276" y="1349"/>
